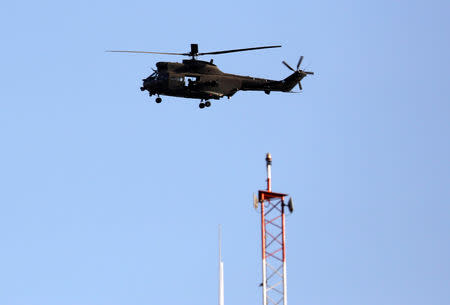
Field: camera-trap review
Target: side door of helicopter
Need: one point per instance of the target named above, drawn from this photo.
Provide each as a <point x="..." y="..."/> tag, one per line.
<point x="191" y="81"/>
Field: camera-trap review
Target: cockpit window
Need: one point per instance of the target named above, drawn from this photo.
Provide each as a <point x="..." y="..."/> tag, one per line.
<point x="153" y="76"/>
<point x="158" y="76"/>
<point x="162" y="76"/>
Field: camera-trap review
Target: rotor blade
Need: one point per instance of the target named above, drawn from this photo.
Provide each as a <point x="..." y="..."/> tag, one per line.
<point x="145" y="52"/>
<point x="238" y="50"/>
<point x="308" y="72"/>
<point x="300" y="85"/>
<point x="289" y="67"/>
<point x="299" y="62"/>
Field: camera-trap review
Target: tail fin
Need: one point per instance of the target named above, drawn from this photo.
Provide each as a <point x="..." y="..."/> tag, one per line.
<point x="292" y="80"/>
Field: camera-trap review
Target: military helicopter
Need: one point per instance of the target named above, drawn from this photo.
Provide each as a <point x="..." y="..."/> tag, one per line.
<point x="202" y="80"/>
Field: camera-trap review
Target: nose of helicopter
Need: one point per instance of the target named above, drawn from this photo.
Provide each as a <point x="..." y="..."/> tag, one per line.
<point x="146" y="84"/>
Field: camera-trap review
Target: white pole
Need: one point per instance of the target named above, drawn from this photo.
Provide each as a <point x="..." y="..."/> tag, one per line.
<point x="263" y="248"/>
<point x="269" y="171"/>
<point x="221" y="284"/>
<point x="264" y="282"/>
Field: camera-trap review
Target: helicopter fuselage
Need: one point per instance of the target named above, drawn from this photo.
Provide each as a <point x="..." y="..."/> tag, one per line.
<point x="203" y="80"/>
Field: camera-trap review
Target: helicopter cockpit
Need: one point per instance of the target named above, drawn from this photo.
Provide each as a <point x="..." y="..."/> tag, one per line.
<point x="154" y="81"/>
<point x="157" y="76"/>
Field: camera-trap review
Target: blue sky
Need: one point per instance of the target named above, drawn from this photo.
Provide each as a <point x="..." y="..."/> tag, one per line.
<point x="109" y="198"/>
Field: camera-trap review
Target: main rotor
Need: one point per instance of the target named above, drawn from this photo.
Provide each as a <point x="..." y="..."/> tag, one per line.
<point x="194" y="51"/>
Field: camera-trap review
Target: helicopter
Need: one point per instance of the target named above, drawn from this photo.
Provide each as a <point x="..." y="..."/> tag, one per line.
<point x="197" y="79"/>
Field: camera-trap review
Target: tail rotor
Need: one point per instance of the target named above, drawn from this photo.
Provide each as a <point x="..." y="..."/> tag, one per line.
<point x="300" y="71"/>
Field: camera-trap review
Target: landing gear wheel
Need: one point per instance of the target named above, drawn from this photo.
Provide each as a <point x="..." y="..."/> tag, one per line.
<point x="208" y="103"/>
<point x="158" y="100"/>
<point x="201" y="105"/>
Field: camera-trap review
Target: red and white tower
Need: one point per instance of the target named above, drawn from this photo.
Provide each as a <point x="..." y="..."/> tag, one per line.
<point x="273" y="237"/>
